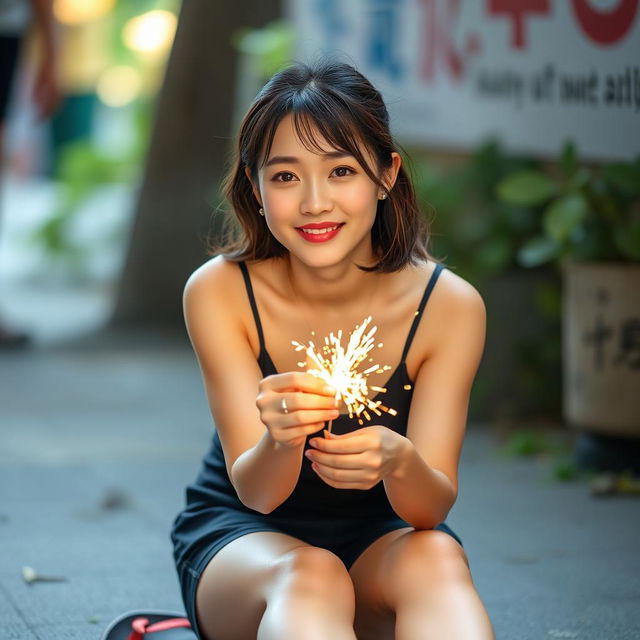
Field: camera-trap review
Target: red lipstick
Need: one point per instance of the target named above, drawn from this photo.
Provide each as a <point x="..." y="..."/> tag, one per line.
<point x="319" y="231"/>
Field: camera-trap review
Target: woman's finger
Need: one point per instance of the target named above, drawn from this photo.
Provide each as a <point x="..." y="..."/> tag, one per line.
<point x="298" y="401"/>
<point x="341" y="480"/>
<point x="305" y="417"/>
<point x="344" y="445"/>
<point x="296" y="436"/>
<point x="343" y="461"/>
<point x="297" y="381"/>
<point x="344" y="475"/>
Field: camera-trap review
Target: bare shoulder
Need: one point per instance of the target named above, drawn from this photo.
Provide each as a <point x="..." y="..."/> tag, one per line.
<point x="217" y="274"/>
<point x="213" y="305"/>
<point x="215" y="288"/>
<point x="458" y="317"/>
<point x="455" y="307"/>
<point x="457" y="295"/>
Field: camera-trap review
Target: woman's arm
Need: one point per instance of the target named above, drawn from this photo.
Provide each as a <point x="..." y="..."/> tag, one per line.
<point x="423" y="486"/>
<point x="263" y="462"/>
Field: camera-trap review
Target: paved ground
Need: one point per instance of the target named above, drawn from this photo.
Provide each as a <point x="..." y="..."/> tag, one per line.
<point x="99" y="437"/>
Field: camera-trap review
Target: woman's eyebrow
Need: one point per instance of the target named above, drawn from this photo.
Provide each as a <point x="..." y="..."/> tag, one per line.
<point x="331" y="155"/>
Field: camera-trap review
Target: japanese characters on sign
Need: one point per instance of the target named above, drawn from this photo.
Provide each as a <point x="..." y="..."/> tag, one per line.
<point x="619" y="340"/>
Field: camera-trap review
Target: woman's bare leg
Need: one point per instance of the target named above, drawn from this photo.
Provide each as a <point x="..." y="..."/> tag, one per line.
<point x="312" y="598"/>
<point x="268" y="585"/>
<point x="417" y="585"/>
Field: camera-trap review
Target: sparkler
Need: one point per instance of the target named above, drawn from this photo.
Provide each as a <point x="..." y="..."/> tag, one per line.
<point x="340" y="368"/>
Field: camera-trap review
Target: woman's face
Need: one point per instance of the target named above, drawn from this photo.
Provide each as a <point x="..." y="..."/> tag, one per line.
<point x="319" y="205"/>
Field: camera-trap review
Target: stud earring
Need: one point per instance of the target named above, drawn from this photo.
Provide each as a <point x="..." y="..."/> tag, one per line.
<point x="383" y="196"/>
<point x="261" y="211"/>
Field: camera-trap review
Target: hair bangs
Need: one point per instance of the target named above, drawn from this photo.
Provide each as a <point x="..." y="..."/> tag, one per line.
<point x="321" y="119"/>
<point x="337" y="132"/>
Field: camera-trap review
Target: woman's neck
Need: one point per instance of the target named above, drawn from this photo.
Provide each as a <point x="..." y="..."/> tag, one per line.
<point x="338" y="288"/>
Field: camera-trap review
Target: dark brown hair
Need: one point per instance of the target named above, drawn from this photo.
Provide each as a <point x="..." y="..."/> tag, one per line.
<point x="330" y="101"/>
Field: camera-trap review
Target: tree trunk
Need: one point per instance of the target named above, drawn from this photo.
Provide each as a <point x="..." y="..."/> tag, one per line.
<point x="186" y="160"/>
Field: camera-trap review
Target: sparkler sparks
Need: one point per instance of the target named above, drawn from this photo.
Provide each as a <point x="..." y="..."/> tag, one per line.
<point x="339" y="368"/>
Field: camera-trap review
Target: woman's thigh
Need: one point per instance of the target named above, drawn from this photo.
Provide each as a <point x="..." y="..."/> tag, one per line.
<point x="234" y="588"/>
<point x="231" y="592"/>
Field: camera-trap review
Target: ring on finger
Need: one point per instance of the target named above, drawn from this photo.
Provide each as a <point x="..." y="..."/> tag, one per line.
<point x="283" y="406"/>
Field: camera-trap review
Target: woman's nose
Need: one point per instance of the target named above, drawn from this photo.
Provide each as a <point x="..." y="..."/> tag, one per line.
<point x="316" y="199"/>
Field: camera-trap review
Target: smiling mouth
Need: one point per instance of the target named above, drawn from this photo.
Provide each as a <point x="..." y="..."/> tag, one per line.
<point x="316" y="231"/>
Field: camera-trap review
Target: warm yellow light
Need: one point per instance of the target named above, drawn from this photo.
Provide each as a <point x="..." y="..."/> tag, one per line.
<point x="73" y="12"/>
<point x="339" y="367"/>
<point x="118" y="86"/>
<point x="152" y="32"/>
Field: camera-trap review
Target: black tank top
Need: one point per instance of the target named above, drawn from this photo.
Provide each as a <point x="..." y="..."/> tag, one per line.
<point x="311" y="497"/>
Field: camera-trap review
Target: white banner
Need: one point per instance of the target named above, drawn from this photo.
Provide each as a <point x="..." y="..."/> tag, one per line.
<point x="533" y="72"/>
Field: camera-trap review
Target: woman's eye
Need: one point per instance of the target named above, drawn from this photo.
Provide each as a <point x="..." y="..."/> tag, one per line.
<point x="284" y="176"/>
<point x="342" y="172"/>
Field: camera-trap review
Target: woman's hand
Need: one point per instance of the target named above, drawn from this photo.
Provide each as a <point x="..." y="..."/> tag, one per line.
<point x="357" y="460"/>
<point x="308" y="401"/>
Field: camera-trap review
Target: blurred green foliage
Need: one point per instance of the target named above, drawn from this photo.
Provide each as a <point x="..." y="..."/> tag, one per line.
<point x="527" y="443"/>
<point x="81" y="169"/>
<point x="493" y="213"/>
<point x="81" y="166"/>
<point x="564" y="469"/>
<point x="269" y="48"/>
<point x="481" y="237"/>
<point x="475" y="231"/>
<point x="555" y="449"/>
<point x="585" y="213"/>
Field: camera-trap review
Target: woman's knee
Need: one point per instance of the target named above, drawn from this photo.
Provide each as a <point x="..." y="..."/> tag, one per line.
<point x="313" y="571"/>
<point x="427" y="558"/>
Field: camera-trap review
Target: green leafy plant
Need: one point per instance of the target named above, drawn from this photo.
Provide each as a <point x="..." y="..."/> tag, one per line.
<point x="475" y="231"/>
<point x="586" y="213"/>
<point x="480" y="237"/>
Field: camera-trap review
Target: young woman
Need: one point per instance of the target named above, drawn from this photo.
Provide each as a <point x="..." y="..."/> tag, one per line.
<point x="291" y="532"/>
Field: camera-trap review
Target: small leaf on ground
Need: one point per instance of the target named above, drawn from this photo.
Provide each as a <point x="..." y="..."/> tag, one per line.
<point x="565" y="470"/>
<point x="526" y="442"/>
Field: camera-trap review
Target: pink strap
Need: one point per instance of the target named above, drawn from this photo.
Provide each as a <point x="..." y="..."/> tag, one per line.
<point x="140" y="626"/>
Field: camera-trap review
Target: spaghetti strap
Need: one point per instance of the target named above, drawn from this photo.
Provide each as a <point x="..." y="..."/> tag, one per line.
<point x="418" y="313"/>
<point x="252" y="302"/>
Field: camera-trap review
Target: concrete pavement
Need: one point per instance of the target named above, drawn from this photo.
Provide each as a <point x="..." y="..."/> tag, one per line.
<point x="98" y="438"/>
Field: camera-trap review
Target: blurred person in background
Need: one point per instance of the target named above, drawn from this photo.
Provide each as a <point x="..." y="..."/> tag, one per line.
<point x="16" y="19"/>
